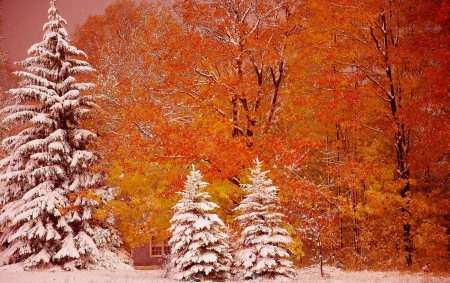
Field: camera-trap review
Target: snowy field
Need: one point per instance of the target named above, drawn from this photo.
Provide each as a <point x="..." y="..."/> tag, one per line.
<point x="14" y="274"/>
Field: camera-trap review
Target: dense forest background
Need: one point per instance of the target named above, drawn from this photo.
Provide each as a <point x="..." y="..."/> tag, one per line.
<point x="346" y="102"/>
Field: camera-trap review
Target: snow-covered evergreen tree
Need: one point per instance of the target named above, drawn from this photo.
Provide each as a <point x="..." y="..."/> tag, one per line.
<point x="50" y="191"/>
<point x="260" y="250"/>
<point x="198" y="243"/>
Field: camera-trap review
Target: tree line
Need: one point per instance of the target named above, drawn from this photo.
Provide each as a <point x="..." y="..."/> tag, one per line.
<point x="346" y="102"/>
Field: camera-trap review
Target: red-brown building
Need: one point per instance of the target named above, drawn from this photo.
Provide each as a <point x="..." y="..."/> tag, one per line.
<point x="151" y="254"/>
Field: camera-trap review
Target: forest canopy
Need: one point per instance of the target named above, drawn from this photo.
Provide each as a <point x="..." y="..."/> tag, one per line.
<point x="346" y="103"/>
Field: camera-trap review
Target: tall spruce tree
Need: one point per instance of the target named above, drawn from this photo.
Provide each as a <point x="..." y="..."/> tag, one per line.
<point x="50" y="191"/>
<point x="260" y="251"/>
<point x="198" y="247"/>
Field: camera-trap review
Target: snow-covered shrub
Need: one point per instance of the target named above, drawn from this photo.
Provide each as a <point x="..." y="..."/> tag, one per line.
<point x="50" y="192"/>
<point x="198" y="244"/>
<point x="261" y="251"/>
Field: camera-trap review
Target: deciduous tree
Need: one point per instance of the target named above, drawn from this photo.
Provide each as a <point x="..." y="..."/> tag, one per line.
<point x="374" y="59"/>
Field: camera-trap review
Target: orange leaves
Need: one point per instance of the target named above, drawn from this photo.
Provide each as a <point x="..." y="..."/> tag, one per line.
<point x="321" y="91"/>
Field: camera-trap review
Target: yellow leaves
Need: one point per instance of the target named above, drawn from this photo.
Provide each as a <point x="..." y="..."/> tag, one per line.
<point x="430" y="233"/>
<point x="139" y="209"/>
<point x="64" y="210"/>
<point x="197" y="89"/>
<point x="296" y="247"/>
<point x="100" y="214"/>
<point x="88" y="194"/>
<point x="227" y="196"/>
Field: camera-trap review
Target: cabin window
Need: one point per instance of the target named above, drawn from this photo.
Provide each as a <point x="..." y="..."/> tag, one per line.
<point x="159" y="248"/>
<point x="166" y="247"/>
<point x="156" y="250"/>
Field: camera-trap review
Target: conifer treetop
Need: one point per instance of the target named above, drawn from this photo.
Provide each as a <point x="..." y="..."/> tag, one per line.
<point x="194" y="183"/>
<point x="193" y="196"/>
<point x="262" y="193"/>
<point x="53" y="13"/>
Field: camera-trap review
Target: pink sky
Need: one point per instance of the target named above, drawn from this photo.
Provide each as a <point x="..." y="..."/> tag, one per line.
<point x="24" y="20"/>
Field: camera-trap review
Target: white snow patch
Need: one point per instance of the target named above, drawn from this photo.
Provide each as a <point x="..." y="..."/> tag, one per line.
<point x="14" y="273"/>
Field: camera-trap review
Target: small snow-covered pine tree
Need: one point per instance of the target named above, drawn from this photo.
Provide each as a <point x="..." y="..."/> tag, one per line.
<point x="260" y="251"/>
<point x="198" y="243"/>
<point x="50" y="191"/>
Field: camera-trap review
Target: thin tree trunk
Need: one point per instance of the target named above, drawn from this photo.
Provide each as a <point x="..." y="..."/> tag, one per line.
<point x="401" y="143"/>
<point x="320" y="258"/>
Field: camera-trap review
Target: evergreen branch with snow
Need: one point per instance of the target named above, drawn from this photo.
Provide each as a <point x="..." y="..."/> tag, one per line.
<point x="261" y="250"/>
<point x="49" y="162"/>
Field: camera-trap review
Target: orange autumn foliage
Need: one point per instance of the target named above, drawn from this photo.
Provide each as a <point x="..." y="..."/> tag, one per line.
<point x="346" y="102"/>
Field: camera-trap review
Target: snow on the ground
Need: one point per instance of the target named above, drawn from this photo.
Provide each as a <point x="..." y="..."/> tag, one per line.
<point x="15" y="274"/>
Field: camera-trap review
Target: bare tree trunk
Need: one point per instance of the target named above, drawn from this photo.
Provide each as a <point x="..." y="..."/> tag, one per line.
<point x="393" y="96"/>
<point x="320" y="258"/>
<point x="355" y="223"/>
